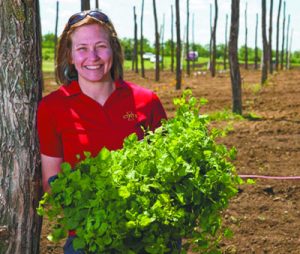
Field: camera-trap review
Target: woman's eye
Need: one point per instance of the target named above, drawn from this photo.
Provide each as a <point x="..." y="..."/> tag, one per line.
<point x="81" y="49"/>
<point x="101" y="46"/>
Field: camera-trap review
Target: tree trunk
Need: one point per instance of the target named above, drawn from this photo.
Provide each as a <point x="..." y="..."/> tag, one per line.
<point x="135" y="49"/>
<point x="246" y="38"/>
<point x="97" y="4"/>
<point x="283" y="35"/>
<point x="162" y="33"/>
<point x="214" y="47"/>
<point x="233" y="58"/>
<point x="225" y="48"/>
<point x="193" y="40"/>
<point x="211" y="37"/>
<point x="157" y="47"/>
<point x="172" y="39"/>
<point x="85" y="5"/>
<point x="277" y="36"/>
<point x="256" y="48"/>
<point x="188" y="68"/>
<point x="20" y="91"/>
<point x="270" y="38"/>
<point x="56" y="24"/>
<point x="264" y="75"/>
<point x="287" y="43"/>
<point x="178" y="47"/>
<point x="142" y="41"/>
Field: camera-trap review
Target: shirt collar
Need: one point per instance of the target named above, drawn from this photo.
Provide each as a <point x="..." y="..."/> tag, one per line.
<point x="74" y="89"/>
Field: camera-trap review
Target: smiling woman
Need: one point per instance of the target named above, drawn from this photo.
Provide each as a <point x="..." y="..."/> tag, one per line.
<point x="95" y="107"/>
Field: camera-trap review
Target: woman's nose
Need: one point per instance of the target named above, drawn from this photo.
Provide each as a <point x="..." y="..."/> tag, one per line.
<point x="93" y="54"/>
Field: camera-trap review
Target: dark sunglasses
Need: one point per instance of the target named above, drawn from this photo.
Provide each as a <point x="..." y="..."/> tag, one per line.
<point x="75" y="18"/>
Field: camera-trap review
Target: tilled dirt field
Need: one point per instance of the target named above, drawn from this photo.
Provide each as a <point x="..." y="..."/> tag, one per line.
<point x="265" y="217"/>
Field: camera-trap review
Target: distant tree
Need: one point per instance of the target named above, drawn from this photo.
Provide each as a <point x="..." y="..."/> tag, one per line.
<point x="48" y="40"/>
<point x="246" y="38"/>
<point x="127" y="45"/>
<point x="142" y="41"/>
<point x="187" y="44"/>
<point x="85" y="5"/>
<point x="264" y="75"/>
<point x="193" y="39"/>
<point x="233" y="58"/>
<point x="287" y="43"/>
<point x="178" y="47"/>
<point x="135" y="59"/>
<point x="213" y="63"/>
<point x="225" y="47"/>
<point x="282" y="41"/>
<point x="56" y="25"/>
<point x="157" y="46"/>
<point x="277" y="36"/>
<point x="211" y="36"/>
<point x="162" y="32"/>
<point x="172" y="39"/>
<point x="20" y="90"/>
<point x="256" y="48"/>
<point x="270" y="37"/>
<point x="290" y="50"/>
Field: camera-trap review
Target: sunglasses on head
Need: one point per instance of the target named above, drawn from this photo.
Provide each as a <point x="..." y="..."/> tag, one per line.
<point x="75" y="18"/>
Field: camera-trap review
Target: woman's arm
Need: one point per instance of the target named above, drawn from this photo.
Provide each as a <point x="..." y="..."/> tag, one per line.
<point x="50" y="167"/>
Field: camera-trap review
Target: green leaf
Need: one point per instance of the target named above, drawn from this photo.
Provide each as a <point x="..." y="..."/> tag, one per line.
<point x="78" y="243"/>
<point x="123" y="192"/>
<point x="102" y="228"/>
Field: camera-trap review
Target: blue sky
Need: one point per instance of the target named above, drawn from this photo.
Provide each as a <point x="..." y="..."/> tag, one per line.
<point x="121" y="14"/>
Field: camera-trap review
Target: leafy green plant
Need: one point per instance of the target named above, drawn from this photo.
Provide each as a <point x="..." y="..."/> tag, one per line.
<point x="142" y="198"/>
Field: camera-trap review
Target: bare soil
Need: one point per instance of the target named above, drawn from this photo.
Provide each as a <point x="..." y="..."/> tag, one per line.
<point x="265" y="217"/>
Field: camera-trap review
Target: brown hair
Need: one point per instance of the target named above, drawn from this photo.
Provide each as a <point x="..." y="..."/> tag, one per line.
<point x="65" y="72"/>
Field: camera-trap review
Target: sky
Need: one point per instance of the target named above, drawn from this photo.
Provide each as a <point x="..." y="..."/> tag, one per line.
<point x="121" y="14"/>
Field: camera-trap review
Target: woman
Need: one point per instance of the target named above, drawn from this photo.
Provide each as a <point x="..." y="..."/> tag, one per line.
<point x="95" y="107"/>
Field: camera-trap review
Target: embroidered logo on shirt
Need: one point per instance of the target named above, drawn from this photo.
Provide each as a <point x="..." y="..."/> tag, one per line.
<point x="130" y="116"/>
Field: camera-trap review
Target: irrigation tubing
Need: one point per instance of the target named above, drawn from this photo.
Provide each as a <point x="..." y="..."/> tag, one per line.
<point x="271" y="177"/>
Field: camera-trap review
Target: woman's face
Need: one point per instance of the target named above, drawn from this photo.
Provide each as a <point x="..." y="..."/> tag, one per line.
<point x="91" y="53"/>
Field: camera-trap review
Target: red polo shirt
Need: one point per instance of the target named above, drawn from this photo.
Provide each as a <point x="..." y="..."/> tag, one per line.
<point x="70" y="122"/>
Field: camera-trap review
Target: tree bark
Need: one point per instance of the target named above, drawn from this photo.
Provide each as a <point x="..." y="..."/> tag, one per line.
<point x="270" y="38"/>
<point x="142" y="41"/>
<point x="178" y="47"/>
<point x="264" y="75"/>
<point x="277" y="36"/>
<point x="20" y="91"/>
<point x="233" y="58"/>
<point x="157" y="46"/>
<point x="188" y="68"/>
<point x="85" y="5"/>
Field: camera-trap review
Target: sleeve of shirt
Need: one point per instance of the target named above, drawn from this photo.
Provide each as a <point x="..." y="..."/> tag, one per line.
<point x="49" y="138"/>
<point x="157" y="113"/>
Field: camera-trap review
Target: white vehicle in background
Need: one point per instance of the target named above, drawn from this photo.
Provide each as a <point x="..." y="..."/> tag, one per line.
<point x="151" y="57"/>
<point x="148" y="55"/>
